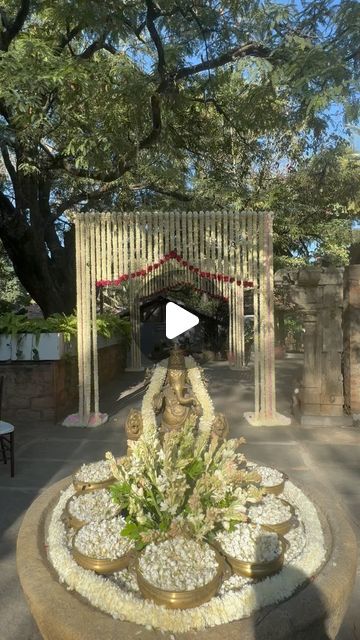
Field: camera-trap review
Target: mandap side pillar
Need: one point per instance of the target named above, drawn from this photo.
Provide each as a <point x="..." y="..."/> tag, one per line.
<point x="266" y="415"/>
<point x="135" y="324"/>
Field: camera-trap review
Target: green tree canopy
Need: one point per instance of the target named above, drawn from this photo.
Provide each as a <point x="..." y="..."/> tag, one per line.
<point x="144" y="102"/>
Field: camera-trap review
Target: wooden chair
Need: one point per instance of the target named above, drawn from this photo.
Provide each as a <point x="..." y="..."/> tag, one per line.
<point x="7" y="436"/>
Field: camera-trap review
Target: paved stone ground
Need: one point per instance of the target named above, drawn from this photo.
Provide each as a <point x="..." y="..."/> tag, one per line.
<point x="319" y="456"/>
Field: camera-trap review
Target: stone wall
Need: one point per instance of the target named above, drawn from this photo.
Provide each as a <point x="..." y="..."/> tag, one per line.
<point x="48" y="391"/>
<point x="351" y="326"/>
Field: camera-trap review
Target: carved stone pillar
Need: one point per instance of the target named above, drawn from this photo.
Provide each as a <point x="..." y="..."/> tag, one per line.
<point x="352" y="338"/>
<point x="318" y="293"/>
<point x="311" y="380"/>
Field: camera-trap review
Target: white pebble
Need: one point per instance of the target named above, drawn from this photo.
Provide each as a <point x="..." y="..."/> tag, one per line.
<point x="94" y="505"/>
<point x="269" y="477"/>
<point x="94" y="472"/>
<point x="103" y="539"/>
<point x="178" y="564"/>
<point x="271" y="510"/>
<point x="250" y="543"/>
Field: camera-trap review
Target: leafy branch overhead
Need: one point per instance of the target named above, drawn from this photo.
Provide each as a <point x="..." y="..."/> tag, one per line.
<point x="117" y="104"/>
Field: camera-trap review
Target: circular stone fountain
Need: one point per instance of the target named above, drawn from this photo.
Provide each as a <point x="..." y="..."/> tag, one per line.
<point x="315" y="611"/>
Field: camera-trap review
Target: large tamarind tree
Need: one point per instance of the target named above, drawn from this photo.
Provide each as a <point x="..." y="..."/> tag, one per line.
<point x="117" y="103"/>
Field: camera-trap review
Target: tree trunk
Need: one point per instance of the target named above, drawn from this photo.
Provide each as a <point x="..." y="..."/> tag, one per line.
<point x="47" y="272"/>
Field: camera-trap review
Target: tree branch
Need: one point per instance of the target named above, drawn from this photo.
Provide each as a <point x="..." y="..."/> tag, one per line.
<point x="9" y="165"/>
<point x="90" y="196"/>
<point x="95" y="46"/>
<point x="12" y="29"/>
<point x="249" y="49"/>
<point x="70" y="35"/>
<point x="177" y="195"/>
<point x="152" y="14"/>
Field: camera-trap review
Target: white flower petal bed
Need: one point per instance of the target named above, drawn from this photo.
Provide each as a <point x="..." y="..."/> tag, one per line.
<point x="269" y="511"/>
<point x="95" y="505"/>
<point x="250" y="543"/>
<point x="102" y="539"/>
<point x="94" y="472"/>
<point x="238" y="597"/>
<point x="178" y="564"/>
<point x="269" y="477"/>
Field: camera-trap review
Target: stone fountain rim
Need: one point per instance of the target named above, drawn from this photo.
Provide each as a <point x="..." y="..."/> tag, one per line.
<point x="66" y="621"/>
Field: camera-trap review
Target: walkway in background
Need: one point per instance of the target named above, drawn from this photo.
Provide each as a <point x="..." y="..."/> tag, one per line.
<point x="44" y="454"/>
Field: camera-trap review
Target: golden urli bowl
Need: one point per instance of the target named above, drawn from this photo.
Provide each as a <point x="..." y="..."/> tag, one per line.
<point x="74" y="522"/>
<point x="82" y="487"/>
<point x="181" y="599"/>
<point x="282" y="528"/>
<point x="101" y="565"/>
<point x="258" y="570"/>
<point x="276" y="489"/>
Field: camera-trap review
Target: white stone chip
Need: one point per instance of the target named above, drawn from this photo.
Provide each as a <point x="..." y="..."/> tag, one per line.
<point x="178" y="564"/>
<point x="94" y="505"/>
<point x="271" y="510"/>
<point x="103" y="539"/>
<point x="94" y="472"/>
<point x="250" y="543"/>
<point x="269" y="477"/>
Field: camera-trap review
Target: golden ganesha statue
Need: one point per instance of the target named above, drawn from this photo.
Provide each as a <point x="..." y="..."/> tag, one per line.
<point x="175" y="401"/>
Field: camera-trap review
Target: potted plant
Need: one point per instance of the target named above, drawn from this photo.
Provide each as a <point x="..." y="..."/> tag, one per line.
<point x="11" y="335"/>
<point x="52" y="338"/>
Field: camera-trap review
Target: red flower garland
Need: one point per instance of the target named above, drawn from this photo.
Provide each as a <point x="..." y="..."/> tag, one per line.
<point x="173" y="255"/>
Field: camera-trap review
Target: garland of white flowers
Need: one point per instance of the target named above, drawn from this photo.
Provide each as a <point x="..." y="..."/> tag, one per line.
<point x="147" y="408"/>
<point x="201" y="393"/>
<point x="234" y="604"/>
<point x="156" y="385"/>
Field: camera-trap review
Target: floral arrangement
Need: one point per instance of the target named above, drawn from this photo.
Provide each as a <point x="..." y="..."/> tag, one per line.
<point x="189" y="484"/>
<point x="192" y="484"/>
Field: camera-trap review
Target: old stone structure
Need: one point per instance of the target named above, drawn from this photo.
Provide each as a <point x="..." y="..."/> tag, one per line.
<point x="317" y="293"/>
<point x="352" y="338"/>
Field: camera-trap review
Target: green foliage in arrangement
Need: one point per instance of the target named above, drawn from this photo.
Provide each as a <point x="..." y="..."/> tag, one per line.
<point x="191" y="484"/>
<point x="159" y="104"/>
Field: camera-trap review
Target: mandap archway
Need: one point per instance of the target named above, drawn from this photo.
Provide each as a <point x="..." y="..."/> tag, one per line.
<point x="220" y="252"/>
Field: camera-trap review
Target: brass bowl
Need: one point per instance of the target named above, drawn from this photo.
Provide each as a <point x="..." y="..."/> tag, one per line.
<point x="275" y="489"/>
<point x="83" y="487"/>
<point x="101" y="565"/>
<point x="282" y="528"/>
<point x="258" y="570"/>
<point x="74" y="522"/>
<point x="181" y="599"/>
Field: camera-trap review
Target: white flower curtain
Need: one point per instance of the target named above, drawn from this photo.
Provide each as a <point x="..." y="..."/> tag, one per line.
<point x="219" y="252"/>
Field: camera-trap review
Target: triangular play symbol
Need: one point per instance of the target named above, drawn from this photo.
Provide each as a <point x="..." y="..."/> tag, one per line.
<point x="178" y="320"/>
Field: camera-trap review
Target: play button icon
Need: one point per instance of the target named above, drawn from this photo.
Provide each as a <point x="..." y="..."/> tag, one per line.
<point x="178" y="320"/>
